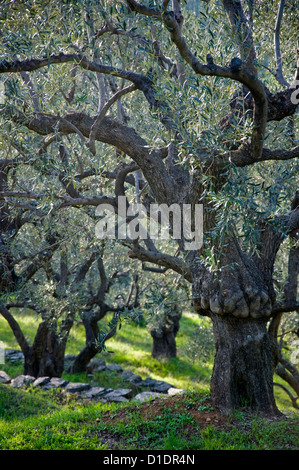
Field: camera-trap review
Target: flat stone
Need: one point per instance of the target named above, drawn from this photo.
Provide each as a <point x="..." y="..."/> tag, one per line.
<point x="144" y="396"/>
<point x="76" y="387"/>
<point x="4" y="377"/>
<point x="148" y="382"/>
<point x="175" y="391"/>
<point x="126" y="374"/>
<point x="95" y="392"/>
<point x="96" y="365"/>
<point x="155" y="385"/>
<point x="115" y="398"/>
<point x="99" y="368"/>
<point x="57" y="382"/>
<point x="120" y="392"/>
<point x="161" y="387"/>
<point x="68" y="360"/>
<point x="70" y="357"/>
<point x="41" y="381"/>
<point x="114" y="367"/>
<point x="14" y="355"/>
<point x="130" y="377"/>
<point x="22" y="381"/>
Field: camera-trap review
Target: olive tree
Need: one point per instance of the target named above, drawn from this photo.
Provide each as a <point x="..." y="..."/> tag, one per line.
<point x="53" y="268"/>
<point x="194" y="111"/>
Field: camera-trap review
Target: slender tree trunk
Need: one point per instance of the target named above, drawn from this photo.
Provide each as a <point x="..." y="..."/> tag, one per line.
<point x="91" y="348"/>
<point x="82" y="360"/>
<point x="243" y="368"/>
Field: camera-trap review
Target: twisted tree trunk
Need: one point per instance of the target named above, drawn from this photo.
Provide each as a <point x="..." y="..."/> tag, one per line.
<point x="243" y="369"/>
<point x="239" y="299"/>
<point x="46" y="356"/>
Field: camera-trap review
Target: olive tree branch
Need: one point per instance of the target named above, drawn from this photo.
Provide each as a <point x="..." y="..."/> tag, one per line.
<point x="237" y="71"/>
<point x="279" y="74"/>
<point x="103" y="112"/>
<point x="160" y="259"/>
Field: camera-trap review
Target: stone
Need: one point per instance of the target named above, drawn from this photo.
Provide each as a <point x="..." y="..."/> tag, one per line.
<point x="96" y="365"/>
<point x="77" y="387"/>
<point x="41" y="381"/>
<point x="148" y="382"/>
<point x="155" y="385"/>
<point x="57" y="382"/>
<point x="22" y="381"/>
<point x="144" y="396"/>
<point x="69" y="357"/>
<point x="161" y="387"/>
<point x="14" y="355"/>
<point x="68" y="360"/>
<point x="123" y="392"/>
<point x="130" y="377"/>
<point x="115" y="399"/>
<point x="114" y="367"/>
<point x="95" y="392"/>
<point x="116" y="396"/>
<point x="4" y="377"/>
<point x="175" y="391"/>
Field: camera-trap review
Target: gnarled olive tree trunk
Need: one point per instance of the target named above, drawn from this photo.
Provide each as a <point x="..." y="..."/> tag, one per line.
<point x="239" y="300"/>
<point x="242" y="374"/>
<point x="46" y="355"/>
<point x="164" y="336"/>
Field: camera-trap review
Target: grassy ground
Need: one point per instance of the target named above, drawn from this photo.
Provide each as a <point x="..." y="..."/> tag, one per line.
<point x="52" y="421"/>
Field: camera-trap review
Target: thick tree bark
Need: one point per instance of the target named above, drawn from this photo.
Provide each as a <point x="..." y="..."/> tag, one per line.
<point x="164" y="337"/>
<point x="46" y="356"/>
<point x="84" y="357"/>
<point x="243" y="369"/>
<point x="239" y="300"/>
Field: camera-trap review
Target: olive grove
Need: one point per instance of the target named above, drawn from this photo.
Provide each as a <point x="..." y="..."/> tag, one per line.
<point x="158" y="103"/>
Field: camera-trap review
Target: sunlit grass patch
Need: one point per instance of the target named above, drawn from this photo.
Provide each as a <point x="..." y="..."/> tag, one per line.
<point x="28" y="321"/>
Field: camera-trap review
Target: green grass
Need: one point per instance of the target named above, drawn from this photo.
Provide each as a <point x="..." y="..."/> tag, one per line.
<point x="40" y="420"/>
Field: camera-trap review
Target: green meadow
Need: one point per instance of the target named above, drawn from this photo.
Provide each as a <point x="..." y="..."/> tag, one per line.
<point x="51" y="420"/>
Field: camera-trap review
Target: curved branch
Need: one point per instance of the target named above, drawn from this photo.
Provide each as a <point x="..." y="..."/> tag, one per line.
<point x="121" y="175"/>
<point x="67" y="200"/>
<point x="293" y="399"/>
<point x="111" y="132"/>
<point x="15" y="327"/>
<point x="279" y="75"/>
<point x="161" y="259"/>
<point x="102" y="113"/>
<point x="29" y="65"/>
<point x="236" y="71"/>
<point x="243" y="156"/>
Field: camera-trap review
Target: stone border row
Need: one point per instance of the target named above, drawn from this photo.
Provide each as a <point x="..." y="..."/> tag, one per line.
<point x="87" y="391"/>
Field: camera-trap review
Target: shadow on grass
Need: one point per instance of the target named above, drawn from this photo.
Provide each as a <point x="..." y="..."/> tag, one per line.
<point x="15" y="404"/>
